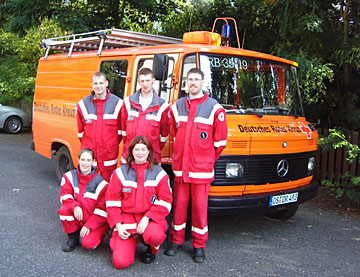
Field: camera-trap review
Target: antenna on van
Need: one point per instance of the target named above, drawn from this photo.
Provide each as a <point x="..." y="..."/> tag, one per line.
<point x="190" y="22"/>
<point x="243" y="41"/>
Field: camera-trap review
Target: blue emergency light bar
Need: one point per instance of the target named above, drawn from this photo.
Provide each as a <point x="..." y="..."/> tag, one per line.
<point x="226" y="32"/>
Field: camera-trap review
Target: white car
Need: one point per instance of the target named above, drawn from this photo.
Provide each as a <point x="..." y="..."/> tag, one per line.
<point x="13" y="120"/>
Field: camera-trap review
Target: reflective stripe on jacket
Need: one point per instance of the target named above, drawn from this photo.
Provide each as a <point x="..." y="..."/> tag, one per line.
<point x="138" y="190"/>
<point x="99" y="127"/>
<point x="152" y="123"/>
<point x="200" y="132"/>
<point x="86" y="191"/>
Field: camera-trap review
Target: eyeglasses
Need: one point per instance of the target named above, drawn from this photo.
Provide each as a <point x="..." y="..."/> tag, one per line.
<point x="194" y="80"/>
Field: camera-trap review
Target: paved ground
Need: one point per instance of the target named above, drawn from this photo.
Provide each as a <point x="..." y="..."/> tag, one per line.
<point x="313" y="243"/>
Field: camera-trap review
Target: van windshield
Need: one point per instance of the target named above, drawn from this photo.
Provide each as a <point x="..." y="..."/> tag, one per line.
<point x="246" y="85"/>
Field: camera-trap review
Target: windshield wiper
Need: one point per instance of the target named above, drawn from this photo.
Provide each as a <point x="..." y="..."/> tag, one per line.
<point x="279" y="109"/>
<point x="242" y="110"/>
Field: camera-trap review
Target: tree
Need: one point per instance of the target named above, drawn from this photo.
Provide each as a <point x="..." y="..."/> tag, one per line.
<point x="321" y="35"/>
<point x="83" y="15"/>
<point x="18" y="59"/>
<point x="25" y="22"/>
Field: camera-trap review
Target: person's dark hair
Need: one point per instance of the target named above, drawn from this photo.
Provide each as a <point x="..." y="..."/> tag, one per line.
<point x="196" y="70"/>
<point x="86" y="150"/>
<point x="99" y="74"/>
<point x="143" y="140"/>
<point x="145" y="71"/>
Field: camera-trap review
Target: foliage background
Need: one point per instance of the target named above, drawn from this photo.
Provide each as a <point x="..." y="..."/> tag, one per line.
<point x="321" y="35"/>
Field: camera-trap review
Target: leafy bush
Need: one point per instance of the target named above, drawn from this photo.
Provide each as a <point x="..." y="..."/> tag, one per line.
<point x="19" y="59"/>
<point x="350" y="187"/>
<point x="336" y="139"/>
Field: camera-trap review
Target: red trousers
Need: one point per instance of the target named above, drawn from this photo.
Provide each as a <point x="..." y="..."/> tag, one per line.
<point x="124" y="250"/>
<point x="71" y="225"/>
<point x="198" y="193"/>
<point x="106" y="172"/>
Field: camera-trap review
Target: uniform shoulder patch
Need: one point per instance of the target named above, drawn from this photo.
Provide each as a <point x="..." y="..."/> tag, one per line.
<point x="221" y="116"/>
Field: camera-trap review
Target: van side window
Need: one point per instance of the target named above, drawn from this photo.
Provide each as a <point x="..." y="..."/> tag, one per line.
<point x="164" y="92"/>
<point x="189" y="63"/>
<point x="116" y="73"/>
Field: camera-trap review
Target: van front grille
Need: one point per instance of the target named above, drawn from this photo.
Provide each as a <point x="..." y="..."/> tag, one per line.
<point x="263" y="169"/>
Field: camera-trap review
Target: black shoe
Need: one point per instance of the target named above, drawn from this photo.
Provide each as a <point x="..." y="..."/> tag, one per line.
<point x="72" y="242"/>
<point x="172" y="249"/>
<point x="198" y="255"/>
<point x="149" y="257"/>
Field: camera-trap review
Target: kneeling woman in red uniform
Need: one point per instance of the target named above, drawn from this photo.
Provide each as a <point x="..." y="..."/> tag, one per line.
<point x="138" y="200"/>
<point x="83" y="213"/>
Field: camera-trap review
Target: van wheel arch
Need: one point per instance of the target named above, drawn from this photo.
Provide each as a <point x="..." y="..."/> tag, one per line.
<point x="62" y="161"/>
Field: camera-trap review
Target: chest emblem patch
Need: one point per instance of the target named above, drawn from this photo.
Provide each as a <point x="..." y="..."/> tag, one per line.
<point x="203" y="135"/>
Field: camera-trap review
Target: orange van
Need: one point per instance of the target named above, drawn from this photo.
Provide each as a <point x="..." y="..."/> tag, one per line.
<point x="268" y="163"/>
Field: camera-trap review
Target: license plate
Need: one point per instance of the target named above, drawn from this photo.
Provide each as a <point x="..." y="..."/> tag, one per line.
<point x="283" y="199"/>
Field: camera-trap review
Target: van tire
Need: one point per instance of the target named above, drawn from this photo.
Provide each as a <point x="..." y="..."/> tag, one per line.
<point x="62" y="162"/>
<point x="283" y="214"/>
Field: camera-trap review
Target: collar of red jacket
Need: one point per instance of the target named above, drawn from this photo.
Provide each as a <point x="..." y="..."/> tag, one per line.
<point x="99" y="100"/>
<point x="197" y="101"/>
<point x="88" y="176"/>
<point x="144" y="165"/>
<point x="154" y="105"/>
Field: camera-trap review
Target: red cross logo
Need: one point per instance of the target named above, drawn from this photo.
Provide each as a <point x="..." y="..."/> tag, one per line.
<point x="306" y="130"/>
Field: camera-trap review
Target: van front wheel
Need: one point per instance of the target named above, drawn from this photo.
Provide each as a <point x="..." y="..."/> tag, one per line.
<point x="62" y="162"/>
<point x="283" y="214"/>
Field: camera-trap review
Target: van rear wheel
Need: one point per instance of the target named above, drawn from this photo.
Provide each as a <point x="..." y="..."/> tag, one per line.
<point x="283" y="214"/>
<point x="62" y="162"/>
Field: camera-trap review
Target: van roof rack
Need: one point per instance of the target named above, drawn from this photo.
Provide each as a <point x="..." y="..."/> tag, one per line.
<point x="103" y="39"/>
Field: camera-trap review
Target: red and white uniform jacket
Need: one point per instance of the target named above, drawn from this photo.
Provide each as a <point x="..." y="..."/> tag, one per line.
<point x="88" y="192"/>
<point x="138" y="191"/>
<point x="99" y="127"/>
<point x="152" y="123"/>
<point x="200" y="132"/>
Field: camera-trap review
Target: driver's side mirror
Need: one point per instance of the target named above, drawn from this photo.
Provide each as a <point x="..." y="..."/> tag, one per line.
<point x="160" y="67"/>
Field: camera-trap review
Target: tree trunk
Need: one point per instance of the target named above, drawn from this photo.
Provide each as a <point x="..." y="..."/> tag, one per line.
<point x="347" y="68"/>
<point x="120" y="13"/>
<point x="115" y="10"/>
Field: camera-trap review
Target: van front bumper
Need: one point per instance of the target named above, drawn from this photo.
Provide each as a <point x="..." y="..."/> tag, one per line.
<point x="259" y="203"/>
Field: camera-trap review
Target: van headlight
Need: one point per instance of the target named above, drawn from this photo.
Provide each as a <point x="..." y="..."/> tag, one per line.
<point x="234" y="170"/>
<point x="311" y="163"/>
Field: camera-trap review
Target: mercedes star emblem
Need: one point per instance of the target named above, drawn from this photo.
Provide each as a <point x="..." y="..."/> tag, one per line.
<point x="282" y="168"/>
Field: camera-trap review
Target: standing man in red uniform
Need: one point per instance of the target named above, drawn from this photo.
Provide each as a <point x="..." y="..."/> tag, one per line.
<point x="98" y="117"/>
<point x="200" y="132"/>
<point x="145" y="113"/>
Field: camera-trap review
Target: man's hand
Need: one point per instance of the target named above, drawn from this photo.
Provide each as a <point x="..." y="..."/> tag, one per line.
<point x="84" y="231"/>
<point x="122" y="231"/>
<point x="78" y="213"/>
<point x="142" y="225"/>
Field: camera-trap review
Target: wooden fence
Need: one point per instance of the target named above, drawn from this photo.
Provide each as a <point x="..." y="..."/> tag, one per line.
<point x="24" y="106"/>
<point x="332" y="165"/>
